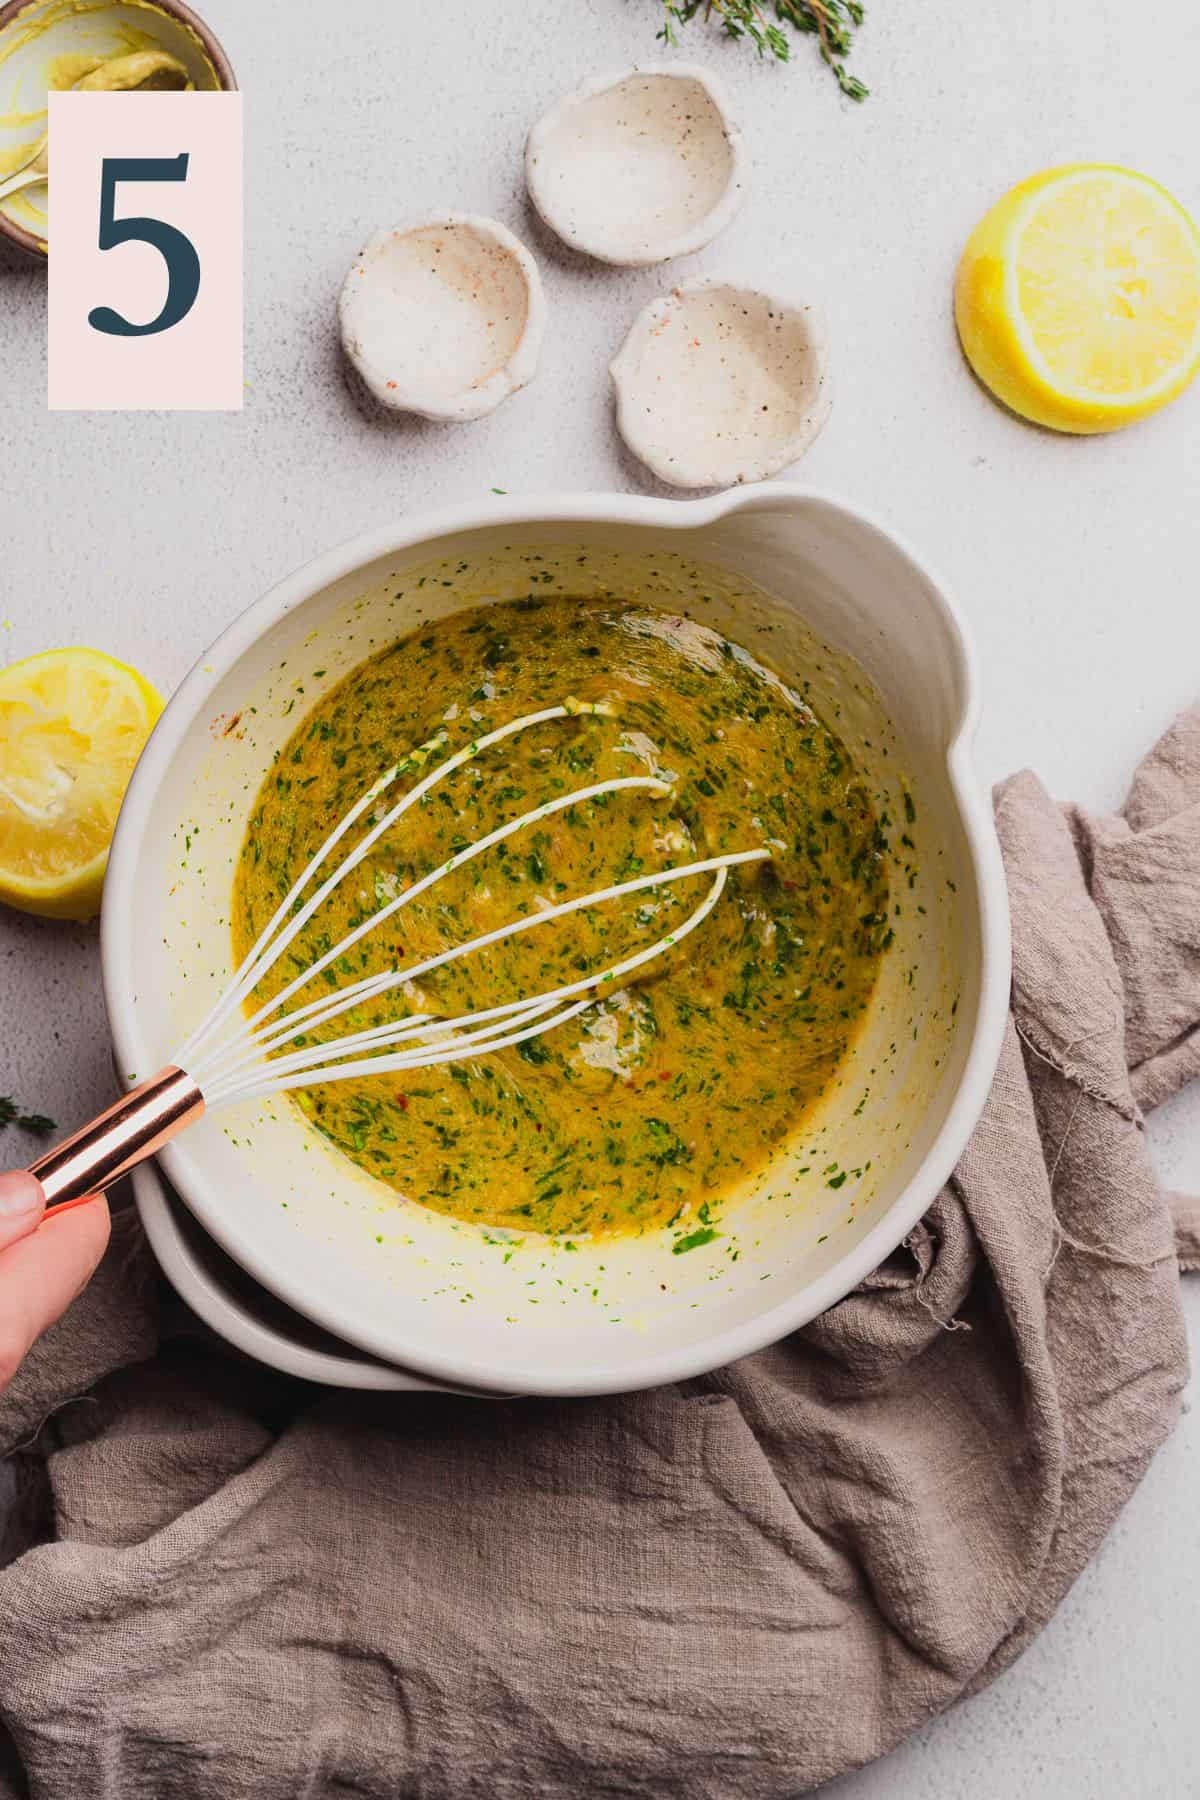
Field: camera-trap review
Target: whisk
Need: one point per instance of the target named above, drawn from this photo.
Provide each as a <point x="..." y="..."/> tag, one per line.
<point x="237" y="1056"/>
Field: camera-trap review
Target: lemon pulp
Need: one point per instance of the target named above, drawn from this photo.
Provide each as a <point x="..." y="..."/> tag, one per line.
<point x="72" y="725"/>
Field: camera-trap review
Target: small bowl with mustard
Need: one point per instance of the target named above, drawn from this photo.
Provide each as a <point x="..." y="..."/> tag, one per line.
<point x="49" y="46"/>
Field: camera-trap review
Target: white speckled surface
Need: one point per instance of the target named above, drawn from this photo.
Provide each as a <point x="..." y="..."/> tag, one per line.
<point x="1075" y="561"/>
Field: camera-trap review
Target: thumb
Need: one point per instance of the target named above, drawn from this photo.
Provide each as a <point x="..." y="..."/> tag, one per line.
<point x="22" y="1206"/>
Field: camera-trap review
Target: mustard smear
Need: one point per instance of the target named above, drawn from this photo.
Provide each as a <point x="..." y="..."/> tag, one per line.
<point x="83" y="43"/>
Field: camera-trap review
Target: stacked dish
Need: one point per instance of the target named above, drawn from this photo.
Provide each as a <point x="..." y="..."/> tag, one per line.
<point x="821" y="596"/>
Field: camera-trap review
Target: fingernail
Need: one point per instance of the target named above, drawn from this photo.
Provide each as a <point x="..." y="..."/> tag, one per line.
<point x="19" y="1194"/>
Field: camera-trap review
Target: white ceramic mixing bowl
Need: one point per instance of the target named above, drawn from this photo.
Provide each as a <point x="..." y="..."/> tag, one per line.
<point x="813" y="588"/>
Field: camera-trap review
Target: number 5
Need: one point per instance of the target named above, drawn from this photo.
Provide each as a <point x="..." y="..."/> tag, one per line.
<point x="177" y="251"/>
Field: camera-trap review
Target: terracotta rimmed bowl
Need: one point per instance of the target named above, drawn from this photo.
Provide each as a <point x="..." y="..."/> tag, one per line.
<point x="34" y="32"/>
<point x="818" y="590"/>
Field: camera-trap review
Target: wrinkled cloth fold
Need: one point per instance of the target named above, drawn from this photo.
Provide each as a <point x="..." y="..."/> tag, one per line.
<point x="741" y="1586"/>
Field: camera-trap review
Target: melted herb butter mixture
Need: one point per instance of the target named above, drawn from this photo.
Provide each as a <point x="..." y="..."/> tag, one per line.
<point x="650" y="1106"/>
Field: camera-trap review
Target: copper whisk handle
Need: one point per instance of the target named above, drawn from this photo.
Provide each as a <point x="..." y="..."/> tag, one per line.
<point x="148" y="1117"/>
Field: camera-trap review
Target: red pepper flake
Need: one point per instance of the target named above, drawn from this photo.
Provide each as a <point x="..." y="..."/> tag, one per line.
<point x="402" y="1102"/>
<point x="664" y="1075"/>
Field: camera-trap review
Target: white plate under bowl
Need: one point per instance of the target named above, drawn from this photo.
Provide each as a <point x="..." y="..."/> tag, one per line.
<point x="243" y="1312"/>
<point x="816" y="589"/>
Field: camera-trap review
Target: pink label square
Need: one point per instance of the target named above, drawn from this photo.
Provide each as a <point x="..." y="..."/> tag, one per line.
<point x="154" y="320"/>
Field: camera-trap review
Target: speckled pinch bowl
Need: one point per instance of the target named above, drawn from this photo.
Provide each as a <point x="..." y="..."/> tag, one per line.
<point x="33" y="33"/>
<point x="639" y="167"/>
<point x="818" y="590"/>
<point x="443" y="317"/>
<point x="719" y="383"/>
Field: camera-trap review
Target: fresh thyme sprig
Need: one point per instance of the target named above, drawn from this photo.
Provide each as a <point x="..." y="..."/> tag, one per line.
<point x="35" y="1123"/>
<point x="832" y="22"/>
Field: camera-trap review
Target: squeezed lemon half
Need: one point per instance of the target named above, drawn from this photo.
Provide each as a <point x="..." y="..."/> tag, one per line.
<point x="1078" y="298"/>
<point x="72" y="726"/>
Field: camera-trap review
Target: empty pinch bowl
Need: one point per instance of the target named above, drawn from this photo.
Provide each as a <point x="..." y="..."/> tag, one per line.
<point x="443" y="318"/>
<point x="719" y="384"/>
<point x="638" y="167"/>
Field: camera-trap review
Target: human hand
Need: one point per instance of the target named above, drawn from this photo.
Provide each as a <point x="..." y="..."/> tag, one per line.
<point x="44" y="1263"/>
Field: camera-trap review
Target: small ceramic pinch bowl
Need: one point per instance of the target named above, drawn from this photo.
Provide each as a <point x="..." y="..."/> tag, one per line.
<point x="638" y="167"/>
<point x="443" y="318"/>
<point x="46" y="44"/>
<point x="837" y="606"/>
<point x="719" y="384"/>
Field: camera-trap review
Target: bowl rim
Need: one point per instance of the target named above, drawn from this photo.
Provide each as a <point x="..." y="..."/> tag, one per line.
<point x="467" y="1369"/>
<point x="10" y="10"/>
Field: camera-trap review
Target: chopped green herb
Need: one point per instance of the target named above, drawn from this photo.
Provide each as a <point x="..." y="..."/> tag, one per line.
<point x="36" y="1124"/>
<point x="694" y="1239"/>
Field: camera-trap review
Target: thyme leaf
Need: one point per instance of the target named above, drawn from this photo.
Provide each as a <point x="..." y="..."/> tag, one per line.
<point x="11" y="1113"/>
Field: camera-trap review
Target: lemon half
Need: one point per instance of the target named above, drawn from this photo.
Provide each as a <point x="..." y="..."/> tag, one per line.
<point x="1078" y="298"/>
<point x="72" y="726"/>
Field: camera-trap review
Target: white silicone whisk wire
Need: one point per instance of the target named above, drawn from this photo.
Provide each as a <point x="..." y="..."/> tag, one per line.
<point x="233" y="1058"/>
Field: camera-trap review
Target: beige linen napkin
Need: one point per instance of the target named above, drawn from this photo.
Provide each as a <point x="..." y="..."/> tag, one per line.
<point x="738" y="1587"/>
